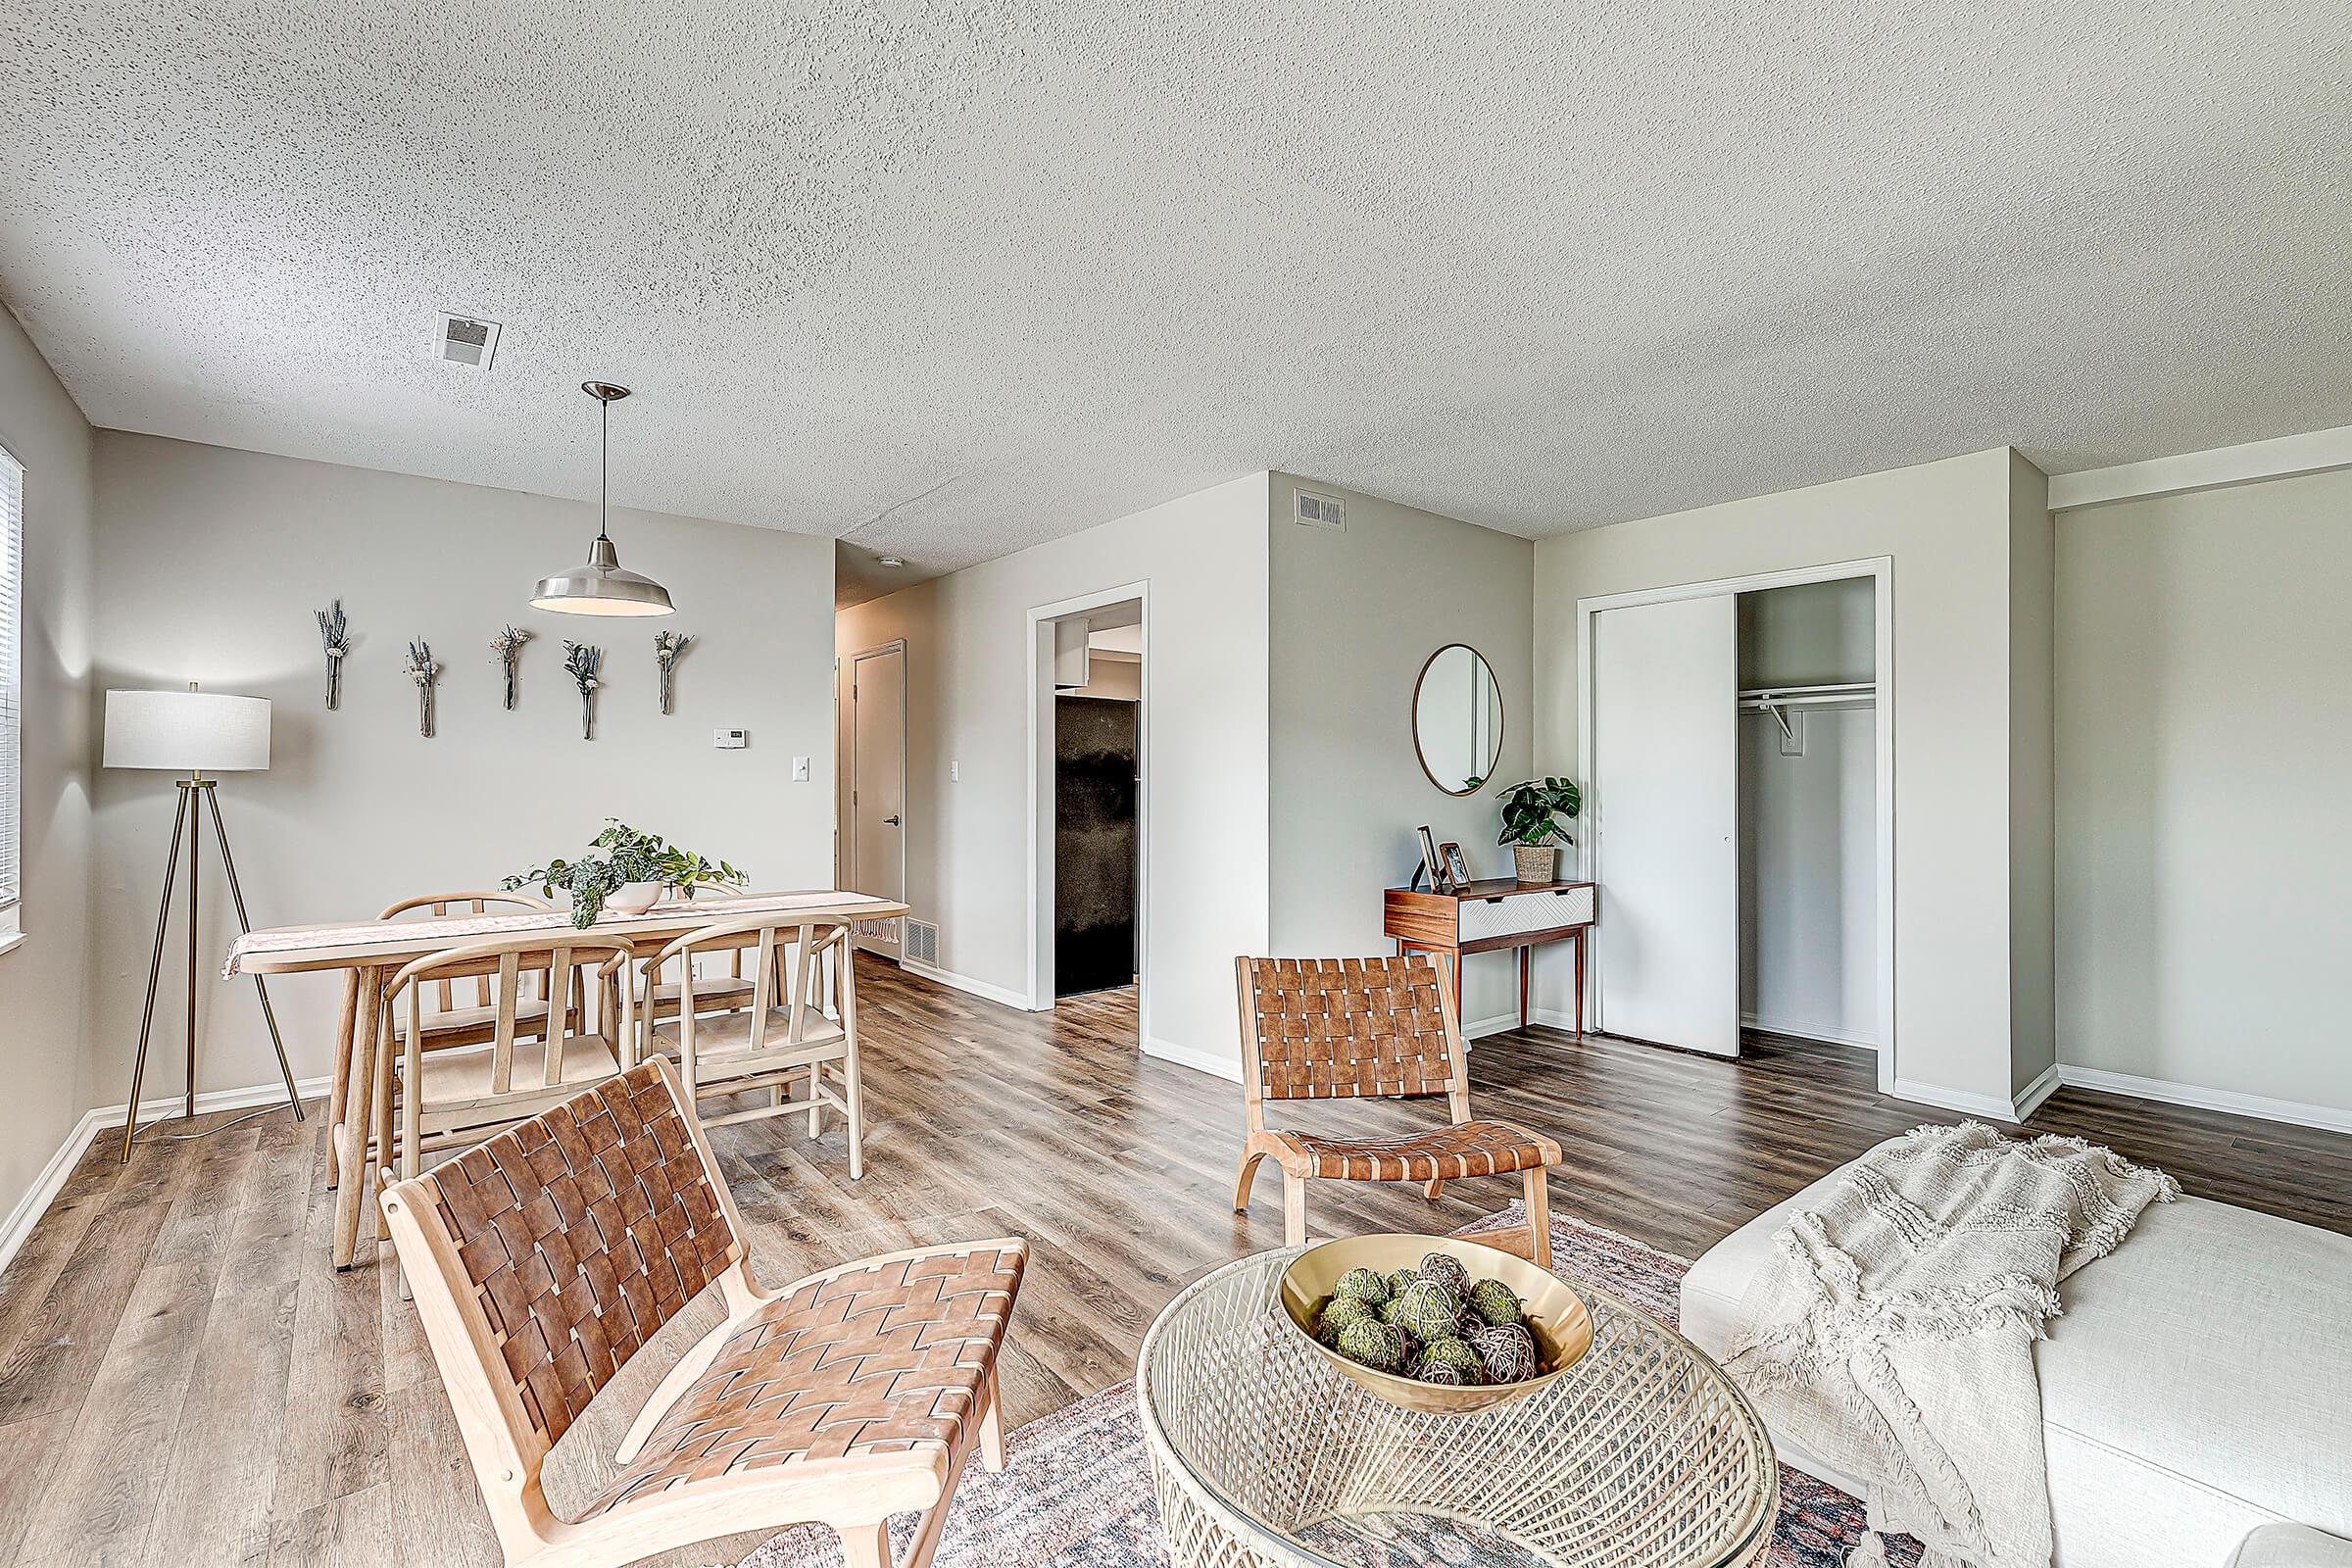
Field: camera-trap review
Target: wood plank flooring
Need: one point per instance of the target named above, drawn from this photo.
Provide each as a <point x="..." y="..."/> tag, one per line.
<point x="184" y="1380"/>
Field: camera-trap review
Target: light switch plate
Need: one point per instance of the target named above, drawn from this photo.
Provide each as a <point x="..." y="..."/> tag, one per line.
<point x="800" y="770"/>
<point x="955" y="771"/>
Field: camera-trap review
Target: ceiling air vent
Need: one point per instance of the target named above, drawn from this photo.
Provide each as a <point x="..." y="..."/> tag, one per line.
<point x="1318" y="512"/>
<point x="465" y="340"/>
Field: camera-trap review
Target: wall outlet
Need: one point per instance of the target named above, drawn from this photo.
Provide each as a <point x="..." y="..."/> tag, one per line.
<point x="800" y="770"/>
<point x="728" y="740"/>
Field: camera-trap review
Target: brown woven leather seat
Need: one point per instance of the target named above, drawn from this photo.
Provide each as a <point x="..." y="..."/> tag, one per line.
<point x="545" y="1259"/>
<point x="1471" y="1148"/>
<point x="874" y="1359"/>
<point x="1348" y="1028"/>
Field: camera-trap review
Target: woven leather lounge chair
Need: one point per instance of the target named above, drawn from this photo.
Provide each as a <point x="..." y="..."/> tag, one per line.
<point x="545" y="1258"/>
<point x="1334" y="1028"/>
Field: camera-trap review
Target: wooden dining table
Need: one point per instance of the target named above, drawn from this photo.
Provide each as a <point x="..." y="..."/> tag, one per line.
<point x="370" y="952"/>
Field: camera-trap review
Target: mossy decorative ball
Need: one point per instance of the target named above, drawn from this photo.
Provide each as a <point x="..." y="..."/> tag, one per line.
<point x="1444" y="1268"/>
<point x="1456" y="1358"/>
<point x="1427" y="1310"/>
<point x="1338" y="1314"/>
<point x="1362" y="1285"/>
<point x="1494" y="1301"/>
<point x="1392" y="1312"/>
<point x="1401" y="1281"/>
<point x="1368" y="1342"/>
<point x="1508" y="1353"/>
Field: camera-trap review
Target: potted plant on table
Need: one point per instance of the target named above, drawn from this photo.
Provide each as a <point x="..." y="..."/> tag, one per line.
<point x="628" y="875"/>
<point x="1530" y="825"/>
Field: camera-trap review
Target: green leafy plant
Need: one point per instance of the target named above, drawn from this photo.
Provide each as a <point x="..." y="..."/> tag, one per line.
<point x="1531" y="811"/>
<point x="628" y="856"/>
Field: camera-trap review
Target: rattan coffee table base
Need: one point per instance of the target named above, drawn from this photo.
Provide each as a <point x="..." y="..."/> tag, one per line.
<point x="1644" y="1456"/>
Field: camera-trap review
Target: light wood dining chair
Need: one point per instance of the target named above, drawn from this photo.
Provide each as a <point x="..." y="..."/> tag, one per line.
<point x="449" y="1096"/>
<point x="449" y="1021"/>
<point x="1339" y="1028"/>
<point x="545" y="1258"/>
<point x="727" y="989"/>
<point x="784" y="1040"/>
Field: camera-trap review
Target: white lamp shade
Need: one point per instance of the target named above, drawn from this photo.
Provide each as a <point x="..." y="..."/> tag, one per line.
<point x="188" y="732"/>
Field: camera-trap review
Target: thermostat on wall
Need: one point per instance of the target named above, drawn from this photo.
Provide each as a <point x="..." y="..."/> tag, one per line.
<point x="728" y="740"/>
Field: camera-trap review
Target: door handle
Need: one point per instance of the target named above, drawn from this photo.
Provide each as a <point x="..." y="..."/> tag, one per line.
<point x="890" y="821"/>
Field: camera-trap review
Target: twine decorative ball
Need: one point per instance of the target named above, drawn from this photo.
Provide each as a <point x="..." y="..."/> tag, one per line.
<point x="1456" y="1358"/>
<point x="1427" y="1310"/>
<point x="1368" y="1342"/>
<point x="1444" y="1268"/>
<point x="1494" y="1301"/>
<point x="1338" y="1314"/>
<point x="1428" y="1371"/>
<point x="1362" y="1285"/>
<point x="1506" y="1350"/>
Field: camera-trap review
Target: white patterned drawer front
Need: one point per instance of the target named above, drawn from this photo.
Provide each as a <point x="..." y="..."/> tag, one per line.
<point x="1514" y="912"/>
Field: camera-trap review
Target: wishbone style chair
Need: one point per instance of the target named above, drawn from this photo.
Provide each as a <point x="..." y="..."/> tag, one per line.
<point x="449" y="1022"/>
<point x="1338" y="1028"/>
<point x="784" y="1039"/>
<point x="545" y="1259"/>
<point x="455" y="1096"/>
<point x="729" y="991"/>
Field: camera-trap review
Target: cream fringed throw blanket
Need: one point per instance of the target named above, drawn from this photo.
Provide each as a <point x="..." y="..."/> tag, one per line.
<point x="1893" y="1333"/>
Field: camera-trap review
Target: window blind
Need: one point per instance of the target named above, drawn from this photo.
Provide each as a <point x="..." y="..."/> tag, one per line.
<point x="12" y="710"/>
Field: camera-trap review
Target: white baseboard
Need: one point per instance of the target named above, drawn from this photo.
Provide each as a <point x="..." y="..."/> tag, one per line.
<point x="1474" y="1028"/>
<point x="43" y="1191"/>
<point x="1214" y="1063"/>
<point x="2328" y="1118"/>
<point x="272" y="1093"/>
<point x="2028" y="1099"/>
<point x="966" y="984"/>
<point x="1807" y="1031"/>
<point x="1982" y="1106"/>
<point x="45" y="1187"/>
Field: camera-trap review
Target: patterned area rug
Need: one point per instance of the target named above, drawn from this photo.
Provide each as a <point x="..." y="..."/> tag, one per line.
<point x="1076" y="1491"/>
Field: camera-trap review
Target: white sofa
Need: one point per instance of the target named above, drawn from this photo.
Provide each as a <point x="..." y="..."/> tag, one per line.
<point x="2196" y="1391"/>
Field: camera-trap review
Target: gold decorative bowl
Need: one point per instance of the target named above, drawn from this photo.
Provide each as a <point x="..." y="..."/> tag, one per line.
<point x="1556" y="1316"/>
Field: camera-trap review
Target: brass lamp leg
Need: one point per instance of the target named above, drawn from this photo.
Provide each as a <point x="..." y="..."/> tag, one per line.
<point x="268" y="1014"/>
<point x="155" y="969"/>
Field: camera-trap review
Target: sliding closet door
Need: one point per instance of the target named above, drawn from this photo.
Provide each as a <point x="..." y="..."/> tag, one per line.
<point x="1666" y="799"/>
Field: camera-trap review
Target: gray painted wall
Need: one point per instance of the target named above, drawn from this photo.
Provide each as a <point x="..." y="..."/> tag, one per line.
<point x="1355" y="615"/>
<point x="44" y="982"/>
<point x="2204" y="705"/>
<point x="212" y="561"/>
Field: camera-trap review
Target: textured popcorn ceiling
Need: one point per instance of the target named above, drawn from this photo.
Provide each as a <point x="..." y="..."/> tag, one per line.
<point x="950" y="279"/>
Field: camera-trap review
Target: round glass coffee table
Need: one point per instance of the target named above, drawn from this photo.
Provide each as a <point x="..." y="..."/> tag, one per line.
<point x="1643" y="1455"/>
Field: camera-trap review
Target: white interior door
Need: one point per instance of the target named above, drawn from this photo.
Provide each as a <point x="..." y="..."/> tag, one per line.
<point x="1666" y="799"/>
<point x="878" y="783"/>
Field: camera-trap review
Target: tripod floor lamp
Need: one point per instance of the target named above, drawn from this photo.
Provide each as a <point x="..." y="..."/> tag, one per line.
<point x="195" y="732"/>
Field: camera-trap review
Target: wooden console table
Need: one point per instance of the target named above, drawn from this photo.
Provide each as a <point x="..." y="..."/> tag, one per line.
<point x="1485" y="916"/>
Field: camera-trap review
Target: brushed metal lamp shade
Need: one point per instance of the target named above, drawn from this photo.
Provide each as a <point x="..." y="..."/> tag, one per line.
<point x="602" y="587"/>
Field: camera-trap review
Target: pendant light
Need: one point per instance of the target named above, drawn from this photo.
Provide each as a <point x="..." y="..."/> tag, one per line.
<point x="602" y="587"/>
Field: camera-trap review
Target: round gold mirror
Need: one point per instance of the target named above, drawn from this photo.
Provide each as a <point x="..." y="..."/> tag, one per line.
<point x="1457" y="719"/>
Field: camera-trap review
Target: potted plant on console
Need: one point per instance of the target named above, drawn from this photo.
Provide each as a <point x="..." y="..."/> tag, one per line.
<point x="1530" y="825"/>
<point x="628" y="877"/>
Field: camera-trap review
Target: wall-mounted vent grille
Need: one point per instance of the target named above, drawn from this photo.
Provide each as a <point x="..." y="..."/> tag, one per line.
<point x="1318" y="512"/>
<point x="465" y="340"/>
<point x="922" y="942"/>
